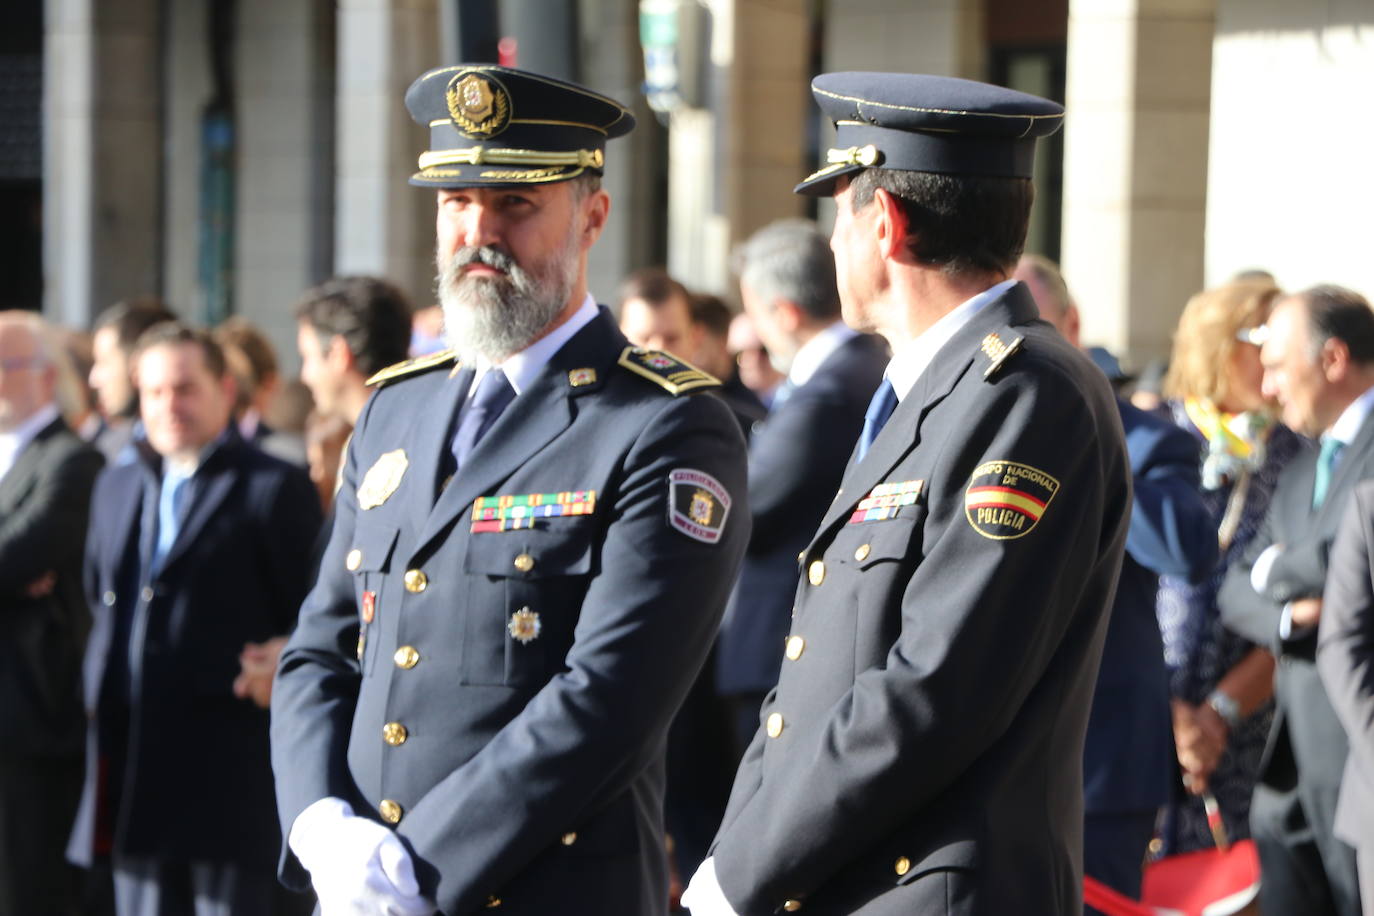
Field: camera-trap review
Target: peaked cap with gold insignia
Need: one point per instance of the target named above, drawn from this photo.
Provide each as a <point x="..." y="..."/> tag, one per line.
<point x="920" y="123"/>
<point x="491" y="125"/>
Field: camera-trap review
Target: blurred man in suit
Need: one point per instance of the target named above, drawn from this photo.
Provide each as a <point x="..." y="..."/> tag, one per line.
<point x="117" y="330"/>
<point x="46" y="473"/>
<point x="798" y="454"/>
<point x="196" y="549"/>
<point x="1345" y="661"/>
<point x="1128" y="757"/>
<point x="1319" y="365"/>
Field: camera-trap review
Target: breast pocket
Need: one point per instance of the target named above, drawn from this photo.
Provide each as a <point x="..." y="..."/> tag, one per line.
<point x="521" y="635"/>
<point x="370" y="560"/>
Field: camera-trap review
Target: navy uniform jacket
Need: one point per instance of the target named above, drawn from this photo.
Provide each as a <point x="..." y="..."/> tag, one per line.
<point x="796" y="458"/>
<point x="44" y="500"/>
<point x="1128" y="757"/>
<point x="921" y="751"/>
<point x="197" y="781"/>
<point x="506" y="701"/>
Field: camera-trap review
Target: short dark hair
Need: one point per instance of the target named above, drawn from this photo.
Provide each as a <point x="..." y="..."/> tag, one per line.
<point x="371" y="315"/>
<point x="131" y="317"/>
<point x="791" y="259"/>
<point x="964" y="224"/>
<point x="711" y="312"/>
<point x="175" y="334"/>
<point x="1334" y="312"/>
<point x="655" y="286"/>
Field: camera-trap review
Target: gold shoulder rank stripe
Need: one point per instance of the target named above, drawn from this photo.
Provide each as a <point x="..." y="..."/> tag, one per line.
<point x="998" y="352"/>
<point x="411" y="366"/>
<point x="667" y="371"/>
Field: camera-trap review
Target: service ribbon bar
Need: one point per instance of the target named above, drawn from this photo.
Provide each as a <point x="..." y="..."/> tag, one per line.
<point x="516" y="511"/>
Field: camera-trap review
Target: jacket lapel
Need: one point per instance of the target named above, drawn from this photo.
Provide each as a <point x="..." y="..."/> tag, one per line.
<point x="14" y="484"/>
<point x="903" y="430"/>
<point x="1353" y="466"/>
<point x="534" y="419"/>
<point x="206" y="496"/>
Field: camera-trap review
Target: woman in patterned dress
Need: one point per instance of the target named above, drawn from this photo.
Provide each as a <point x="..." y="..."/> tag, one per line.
<point x="1213" y="388"/>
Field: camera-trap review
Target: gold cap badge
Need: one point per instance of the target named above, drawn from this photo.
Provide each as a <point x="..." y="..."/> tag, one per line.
<point x="478" y="104"/>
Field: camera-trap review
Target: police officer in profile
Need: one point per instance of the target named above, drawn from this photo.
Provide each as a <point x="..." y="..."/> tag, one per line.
<point x="921" y="751"/>
<point x="535" y="536"/>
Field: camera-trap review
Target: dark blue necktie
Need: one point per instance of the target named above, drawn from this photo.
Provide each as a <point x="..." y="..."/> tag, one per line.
<point x="494" y="393"/>
<point x="876" y="417"/>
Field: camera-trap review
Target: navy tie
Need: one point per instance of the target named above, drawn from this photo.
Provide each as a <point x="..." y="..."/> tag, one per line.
<point x="876" y="417"/>
<point x="494" y="393"/>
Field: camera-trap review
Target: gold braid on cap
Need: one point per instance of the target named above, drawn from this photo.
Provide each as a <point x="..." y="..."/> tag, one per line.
<point x="479" y="155"/>
<point x="867" y="156"/>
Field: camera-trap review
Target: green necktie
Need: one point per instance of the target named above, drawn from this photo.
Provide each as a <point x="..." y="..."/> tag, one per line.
<point x="1326" y="462"/>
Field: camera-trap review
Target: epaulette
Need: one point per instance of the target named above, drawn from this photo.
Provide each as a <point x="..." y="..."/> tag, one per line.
<point x="666" y="371"/>
<point x="998" y="352"/>
<point x="411" y="366"/>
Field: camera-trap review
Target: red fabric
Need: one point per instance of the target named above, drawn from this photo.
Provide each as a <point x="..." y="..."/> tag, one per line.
<point x="1102" y="898"/>
<point x="1196" y="883"/>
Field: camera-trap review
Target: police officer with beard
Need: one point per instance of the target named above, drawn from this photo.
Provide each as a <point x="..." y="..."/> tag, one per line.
<point x="536" y="532"/>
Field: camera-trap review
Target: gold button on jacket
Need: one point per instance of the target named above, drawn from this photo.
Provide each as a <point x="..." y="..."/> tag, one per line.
<point x="524" y="562"/>
<point x="394" y="734"/>
<point x="390" y="811"/>
<point x="407" y="657"/>
<point x="791" y="906"/>
<point x="862" y="552"/>
<point x="815" y="573"/>
<point x="353" y="560"/>
<point x="416" y="580"/>
<point x="796" y="645"/>
<point x="774" y="725"/>
<point x="902" y="866"/>
<point x="569" y="838"/>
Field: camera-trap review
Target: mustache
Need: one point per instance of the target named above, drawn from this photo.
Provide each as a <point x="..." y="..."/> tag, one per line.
<point x="491" y="257"/>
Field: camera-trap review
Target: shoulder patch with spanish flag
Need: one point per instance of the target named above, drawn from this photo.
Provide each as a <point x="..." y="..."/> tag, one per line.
<point x="1005" y="499"/>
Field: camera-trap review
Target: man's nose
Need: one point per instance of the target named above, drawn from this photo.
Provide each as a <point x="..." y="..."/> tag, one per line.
<point x="480" y="227"/>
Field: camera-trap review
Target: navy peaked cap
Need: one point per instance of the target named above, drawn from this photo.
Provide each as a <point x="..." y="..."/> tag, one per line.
<point x="921" y="123"/>
<point x="491" y="125"/>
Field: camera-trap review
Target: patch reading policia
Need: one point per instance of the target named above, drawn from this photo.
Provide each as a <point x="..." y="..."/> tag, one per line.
<point x="491" y="125"/>
<point x="1004" y="499"/>
<point x="697" y="504"/>
<point x="921" y="123"/>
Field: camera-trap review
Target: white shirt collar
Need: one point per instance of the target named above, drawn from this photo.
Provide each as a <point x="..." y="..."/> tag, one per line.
<point x="912" y="358"/>
<point x="1347" y="425"/>
<point x="817" y="350"/>
<point x="13" y="443"/>
<point x="524" y="367"/>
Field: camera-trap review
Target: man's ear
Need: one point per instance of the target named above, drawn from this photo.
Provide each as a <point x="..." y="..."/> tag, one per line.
<point x="892" y="227"/>
<point x="1335" y="359"/>
<point x="338" y="355"/>
<point x="596" y="208"/>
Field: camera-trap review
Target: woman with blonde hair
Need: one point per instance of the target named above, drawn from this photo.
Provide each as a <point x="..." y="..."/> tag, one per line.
<point x="1221" y="684"/>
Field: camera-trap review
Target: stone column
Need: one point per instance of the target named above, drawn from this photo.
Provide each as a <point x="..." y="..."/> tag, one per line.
<point x="383" y="226"/>
<point x="1135" y="167"/>
<point x="102" y="156"/>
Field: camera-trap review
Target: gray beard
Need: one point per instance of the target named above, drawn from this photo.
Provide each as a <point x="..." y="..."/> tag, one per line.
<point x="495" y="317"/>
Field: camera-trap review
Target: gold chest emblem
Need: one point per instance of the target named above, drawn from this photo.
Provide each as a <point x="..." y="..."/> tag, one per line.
<point x="382" y="479"/>
<point x="478" y="104"/>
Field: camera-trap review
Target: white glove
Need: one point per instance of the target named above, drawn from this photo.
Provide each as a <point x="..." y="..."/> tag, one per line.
<point x="357" y="866"/>
<point x="703" y="895"/>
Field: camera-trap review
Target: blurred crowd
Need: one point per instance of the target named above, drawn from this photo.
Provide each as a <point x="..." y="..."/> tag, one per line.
<point x="165" y="495"/>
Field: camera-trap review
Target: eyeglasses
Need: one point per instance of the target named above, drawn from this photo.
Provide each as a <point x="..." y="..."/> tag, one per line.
<point x="1256" y="336"/>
